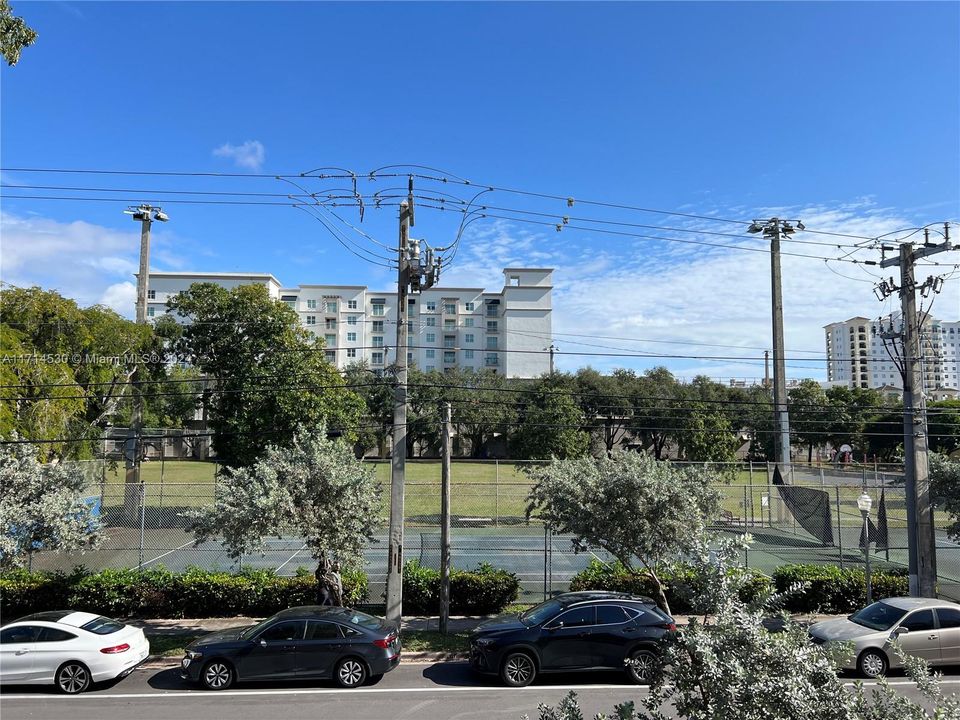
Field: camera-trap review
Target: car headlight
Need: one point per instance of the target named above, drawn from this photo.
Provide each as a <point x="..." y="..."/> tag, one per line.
<point x="193" y="655"/>
<point x="484" y="642"/>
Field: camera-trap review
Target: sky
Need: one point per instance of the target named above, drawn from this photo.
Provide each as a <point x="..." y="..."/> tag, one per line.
<point x="845" y="116"/>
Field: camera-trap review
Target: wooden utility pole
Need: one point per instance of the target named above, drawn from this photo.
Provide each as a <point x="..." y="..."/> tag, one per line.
<point x="921" y="534"/>
<point x="445" y="522"/>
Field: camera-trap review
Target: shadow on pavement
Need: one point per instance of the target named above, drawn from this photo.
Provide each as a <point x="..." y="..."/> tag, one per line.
<point x="460" y="674"/>
<point x="170" y="679"/>
<point x="52" y="690"/>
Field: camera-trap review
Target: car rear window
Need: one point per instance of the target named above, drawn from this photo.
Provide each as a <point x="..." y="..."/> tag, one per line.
<point x="102" y="626"/>
<point x="363" y="620"/>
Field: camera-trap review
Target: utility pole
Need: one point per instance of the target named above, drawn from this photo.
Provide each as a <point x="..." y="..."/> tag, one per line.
<point x="412" y="274"/>
<point x="552" y="350"/>
<point x="766" y="368"/>
<point x="773" y="229"/>
<point x="921" y="534"/>
<point x="445" y="522"/>
<point x="133" y="447"/>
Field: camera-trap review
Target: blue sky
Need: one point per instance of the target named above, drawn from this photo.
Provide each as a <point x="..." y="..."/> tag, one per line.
<point x="842" y="114"/>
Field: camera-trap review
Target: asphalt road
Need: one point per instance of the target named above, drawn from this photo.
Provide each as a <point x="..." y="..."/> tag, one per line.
<point x="442" y="691"/>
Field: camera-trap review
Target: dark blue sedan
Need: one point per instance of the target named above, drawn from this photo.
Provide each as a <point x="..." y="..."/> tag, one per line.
<point x="300" y="643"/>
<point x="573" y="632"/>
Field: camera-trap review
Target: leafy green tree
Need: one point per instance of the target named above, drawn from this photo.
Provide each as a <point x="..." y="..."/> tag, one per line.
<point x="707" y="436"/>
<point x="657" y="416"/>
<point x="638" y="509"/>
<point x="943" y="419"/>
<point x="482" y="407"/>
<point x="605" y="402"/>
<point x="315" y="489"/>
<point x="549" y="423"/>
<point x="849" y="411"/>
<point x="729" y="666"/>
<point x="41" y="506"/>
<point x="72" y="367"/>
<point x="15" y="34"/>
<point x="267" y="372"/>
<point x="945" y="488"/>
<point x="377" y="392"/>
<point x="807" y="405"/>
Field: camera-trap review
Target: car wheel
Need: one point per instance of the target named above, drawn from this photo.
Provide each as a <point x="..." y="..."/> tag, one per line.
<point x="73" y="678"/>
<point x="217" y="675"/>
<point x="350" y="673"/>
<point x="872" y="663"/>
<point x="518" y="670"/>
<point x="642" y="666"/>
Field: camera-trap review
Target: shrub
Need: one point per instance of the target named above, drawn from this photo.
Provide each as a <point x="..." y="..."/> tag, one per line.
<point x="160" y="593"/>
<point x="481" y="591"/>
<point x="832" y="590"/>
<point x="682" y="585"/>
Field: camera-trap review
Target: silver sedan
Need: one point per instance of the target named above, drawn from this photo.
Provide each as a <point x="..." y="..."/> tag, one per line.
<point x="924" y="627"/>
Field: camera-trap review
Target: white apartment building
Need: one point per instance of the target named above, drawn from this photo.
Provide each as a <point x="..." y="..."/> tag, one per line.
<point x="856" y="355"/>
<point x="508" y="332"/>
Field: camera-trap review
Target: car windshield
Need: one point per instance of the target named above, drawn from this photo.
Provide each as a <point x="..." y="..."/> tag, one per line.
<point x="879" y="616"/>
<point x="540" y="613"/>
<point x="254" y="629"/>
<point x="102" y="626"/>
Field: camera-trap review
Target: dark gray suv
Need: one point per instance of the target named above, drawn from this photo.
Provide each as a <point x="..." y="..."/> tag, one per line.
<point x="580" y="631"/>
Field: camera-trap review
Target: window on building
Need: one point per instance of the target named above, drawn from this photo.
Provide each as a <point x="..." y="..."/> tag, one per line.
<point x="431" y="368"/>
<point x="515" y="280"/>
<point x="351" y="352"/>
<point x="491" y="325"/>
<point x="351" y="304"/>
<point x="409" y="326"/>
<point x="330" y="356"/>
<point x="351" y="337"/>
<point x="449" y="324"/>
<point x="469" y="307"/>
<point x="330" y="339"/>
<point x="450" y="308"/>
<point x="431" y="354"/>
<point x="377" y="358"/>
<point x="431" y="306"/>
<point x="468" y="338"/>
<point x="331" y="306"/>
<point x="409" y="358"/>
<point x="468" y="354"/>
<point x="492" y="360"/>
<point x="151" y="294"/>
<point x="431" y="322"/>
<point x="311" y="304"/>
<point x="290" y="300"/>
<point x="311" y="320"/>
<point x="378" y="310"/>
<point x="378" y="341"/>
<point x="492" y="342"/>
<point x="378" y="326"/>
<point x="351" y="319"/>
<point x="449" y="356"/>
<point x="431" y="337"/>
<point x="449" y="341"/>
<point x="151" y="311"/>
<point x="468" y="322"/>
<point x="330" y="324"/>
<point x="492" y="309"/>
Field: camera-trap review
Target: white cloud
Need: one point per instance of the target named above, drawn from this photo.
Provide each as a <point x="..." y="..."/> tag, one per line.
<point x="249" y="155"/>
<point x="645" y="294"/>
<point x="88" y="263"/>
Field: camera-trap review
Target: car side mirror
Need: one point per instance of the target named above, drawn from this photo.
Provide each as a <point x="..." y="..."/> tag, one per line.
<point x="901" y="630"/>
<point x="263" y="643"/>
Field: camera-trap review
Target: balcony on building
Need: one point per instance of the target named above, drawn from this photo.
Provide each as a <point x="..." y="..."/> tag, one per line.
<point x="492" y="360"/>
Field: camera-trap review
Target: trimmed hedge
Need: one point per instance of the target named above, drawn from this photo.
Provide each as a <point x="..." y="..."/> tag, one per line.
<point x="829" y="589"/>
<point x="160" y="593"/>
<point x="482" y="591"/>
<point x="680" y="585"/>
<point x="832" y="590"/>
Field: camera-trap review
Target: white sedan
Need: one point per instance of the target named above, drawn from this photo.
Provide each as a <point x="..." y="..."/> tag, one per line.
<point x="69" y="649"/>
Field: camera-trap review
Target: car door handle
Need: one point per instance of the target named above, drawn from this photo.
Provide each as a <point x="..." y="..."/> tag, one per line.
<point x="289" y="647"/>
<point x="932" y="637"/>
<point x="583" y="634"/>
<point x="24" y="651"/>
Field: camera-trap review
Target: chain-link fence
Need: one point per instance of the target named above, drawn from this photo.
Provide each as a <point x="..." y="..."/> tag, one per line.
<point x="812" y="518"/>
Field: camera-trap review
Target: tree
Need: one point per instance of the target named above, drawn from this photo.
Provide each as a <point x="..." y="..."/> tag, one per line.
<point x="315" y="489"/>
<point x="15" y="34"/>
<point x="945" y="488"/>
<point x="605" y="402"/>
<point x="268" y="373"/>
<point x="944" y="421"/>
<point x="657" y="413"/>
<point x="707" y="436"/>
<point x="807" y="404"/>
<point x="732" y="667"/>
<point x="41" y="506"/>
<point x="377" y="392"/>
<point x="549" y="423"/>
<point x="636" y="508"/>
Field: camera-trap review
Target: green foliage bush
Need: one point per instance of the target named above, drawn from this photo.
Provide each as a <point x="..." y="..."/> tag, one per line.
<point x="481" y="591"/>
<point x="681" y="583"/>
<point x="832" y="590"/>
<point x="160" y="593"/>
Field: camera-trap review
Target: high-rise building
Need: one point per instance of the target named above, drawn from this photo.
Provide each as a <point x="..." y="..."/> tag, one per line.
<point x="508" y="331"/>
<point x="857" y="356"/>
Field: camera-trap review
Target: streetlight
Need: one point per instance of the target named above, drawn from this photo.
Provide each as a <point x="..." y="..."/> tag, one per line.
<point x="865" y="502"/>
